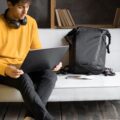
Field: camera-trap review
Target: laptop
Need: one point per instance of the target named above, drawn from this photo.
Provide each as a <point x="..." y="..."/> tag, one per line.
<point x="42" y="59"/>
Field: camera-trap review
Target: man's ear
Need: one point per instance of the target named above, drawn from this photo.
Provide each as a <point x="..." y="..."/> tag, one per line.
<point x="10" y="5"/>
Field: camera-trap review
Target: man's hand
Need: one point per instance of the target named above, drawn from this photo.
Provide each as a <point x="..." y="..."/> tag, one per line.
<point x="58" y="67"/>
<point x="13" y="71"/>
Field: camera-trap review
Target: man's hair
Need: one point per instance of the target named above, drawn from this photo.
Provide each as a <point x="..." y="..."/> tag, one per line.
<point x="18" y="1"/>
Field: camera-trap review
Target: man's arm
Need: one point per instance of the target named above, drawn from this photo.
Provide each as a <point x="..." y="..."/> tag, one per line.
<point x="36" y="43"/>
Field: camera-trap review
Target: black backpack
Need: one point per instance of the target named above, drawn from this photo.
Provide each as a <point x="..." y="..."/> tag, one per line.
<point x="87" y="50"/>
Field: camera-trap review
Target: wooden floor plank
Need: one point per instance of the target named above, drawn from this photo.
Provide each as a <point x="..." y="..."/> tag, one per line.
<point x="93" y="112"/>
<point x="80" y="111"/>
<point x="69" y="112"/>
<point x="87" y="110"/>
<point x="13" y="111"/>
<point x="22" y="112"/>
<point x="3" y="109"/>
<point x="108" y="110"/>
<point x="116" y="107"/>
<point x="54" y="109"/>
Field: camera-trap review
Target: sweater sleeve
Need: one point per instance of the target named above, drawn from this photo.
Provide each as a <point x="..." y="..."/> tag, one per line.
<point x="2" y="69"/>
<point x="36" y="43"/>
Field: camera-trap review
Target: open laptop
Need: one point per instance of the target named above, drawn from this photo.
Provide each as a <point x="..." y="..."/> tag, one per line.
<point x="41" y="59"/>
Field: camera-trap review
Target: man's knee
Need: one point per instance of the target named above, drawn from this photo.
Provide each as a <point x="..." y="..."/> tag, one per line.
<point x="25" y="80"/>
<point x="50" y="75"/>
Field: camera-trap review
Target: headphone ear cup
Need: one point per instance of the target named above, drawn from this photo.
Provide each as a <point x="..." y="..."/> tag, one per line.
<point x="24" y="21"/>
<point x="14" y="24"/>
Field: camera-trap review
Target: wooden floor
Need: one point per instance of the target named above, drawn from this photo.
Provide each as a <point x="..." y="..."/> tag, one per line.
<point x="102" y="110"/>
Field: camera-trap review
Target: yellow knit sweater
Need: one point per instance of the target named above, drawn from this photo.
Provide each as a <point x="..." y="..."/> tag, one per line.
<point x="15" y="43"/>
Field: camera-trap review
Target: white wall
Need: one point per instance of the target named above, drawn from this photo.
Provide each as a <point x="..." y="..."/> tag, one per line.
<point x="113" y="59"/>
<point x="52" y="37"/>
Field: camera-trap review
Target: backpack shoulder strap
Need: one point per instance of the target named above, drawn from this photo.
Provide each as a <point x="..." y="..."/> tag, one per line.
<point x="107" y="33"/>
<point x="70" y="35"/>
<point x="109" y="40"/>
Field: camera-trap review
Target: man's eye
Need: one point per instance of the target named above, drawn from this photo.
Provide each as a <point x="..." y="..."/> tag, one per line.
<point x="20" y="7"/>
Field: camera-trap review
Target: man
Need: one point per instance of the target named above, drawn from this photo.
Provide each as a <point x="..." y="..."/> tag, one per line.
<point x="18" y="34"/>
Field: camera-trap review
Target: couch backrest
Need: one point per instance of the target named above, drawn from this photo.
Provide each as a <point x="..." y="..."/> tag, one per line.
<point x="54" y="37"/>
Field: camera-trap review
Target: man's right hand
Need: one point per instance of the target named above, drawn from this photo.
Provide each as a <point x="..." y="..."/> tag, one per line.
<point x="13" y="71"/>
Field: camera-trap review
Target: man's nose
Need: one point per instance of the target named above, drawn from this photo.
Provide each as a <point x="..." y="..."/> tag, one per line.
<point x="25" y="10"/>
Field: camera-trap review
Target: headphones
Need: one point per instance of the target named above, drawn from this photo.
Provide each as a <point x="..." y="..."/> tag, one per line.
<point x="14" y="23"/>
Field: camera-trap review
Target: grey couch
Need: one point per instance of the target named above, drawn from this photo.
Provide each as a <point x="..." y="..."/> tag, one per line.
<point x="95" y="87"/>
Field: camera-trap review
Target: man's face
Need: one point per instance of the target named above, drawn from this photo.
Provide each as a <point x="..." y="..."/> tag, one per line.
<point x="19" y="10"/>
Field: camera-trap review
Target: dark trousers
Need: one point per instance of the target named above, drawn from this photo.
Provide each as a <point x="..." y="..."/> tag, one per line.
<point x="35" y="89"/>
